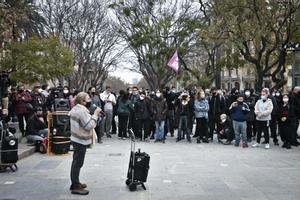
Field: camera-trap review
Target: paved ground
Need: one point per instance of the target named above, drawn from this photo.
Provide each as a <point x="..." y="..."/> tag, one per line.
<point x="178" y="171"/>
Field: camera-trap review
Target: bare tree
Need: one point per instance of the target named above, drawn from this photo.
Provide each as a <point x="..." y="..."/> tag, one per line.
<point x="87" y="29"/>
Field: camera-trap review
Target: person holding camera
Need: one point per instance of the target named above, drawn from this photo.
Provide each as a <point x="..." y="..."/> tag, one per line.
<point x="82" y="126"/>
<point x="238" y="112"/>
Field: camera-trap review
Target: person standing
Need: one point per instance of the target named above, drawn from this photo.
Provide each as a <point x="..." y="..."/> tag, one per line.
<point x="184" y="109"/>
<point x="159" y="111"/>
<point x="286" y="119"/>
<point x="201" y="108"/>
<point x="263" y="110"/>
<point x="216" y="108"/>
<point x="170" y="96"/>
<point x="22" y="100"/>
<point x="142" y="114"/>
<point x="82" y="126"/>
<point x="250" y="101"/>
<point x="109" y="101"/>
<point x="238" y="112"/>
<point x="295" y="97"/>
<point x="274" y="116"/>
<point x="96" y="102"/>
<point x="123" y="110"/>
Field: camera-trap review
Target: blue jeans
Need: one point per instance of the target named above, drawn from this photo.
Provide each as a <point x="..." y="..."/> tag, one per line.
<point x="240" y="128"/>
<point x="159" y="131"/>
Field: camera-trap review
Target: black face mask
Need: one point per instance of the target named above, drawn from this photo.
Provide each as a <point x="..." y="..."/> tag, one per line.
<point x="93" y="93"/>
<point x="88" y="104"/>
<point x="39" y="115"/>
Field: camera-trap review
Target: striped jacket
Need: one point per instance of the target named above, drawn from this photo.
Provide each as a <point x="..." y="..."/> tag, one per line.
<point x="82" y="124"/>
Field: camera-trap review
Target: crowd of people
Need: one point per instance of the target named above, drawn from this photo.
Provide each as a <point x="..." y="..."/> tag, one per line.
<point x="236" y="117"/>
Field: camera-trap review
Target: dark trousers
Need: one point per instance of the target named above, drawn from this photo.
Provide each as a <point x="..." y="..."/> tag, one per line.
<point x="251" y="130"/>
<point x="169" y="125"/>
<point x="273" y="128"/>
<point x="113" y="125"/>
<point x="183" y="128"/>
<point x="98" y="131"/>
<point x="202" y="128"/>
<point x="295" y="134"/>
<point x="286" y="131"/>
<point x="263" y="127"/>
<point x="213" y="121"/>
<point x="77" y="163"/>
<point x="123" y="122"/>
<point x="21" y="121"/>
<point x="143" y="125"/>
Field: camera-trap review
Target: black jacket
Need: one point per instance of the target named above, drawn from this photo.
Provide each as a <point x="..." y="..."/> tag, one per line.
<point x="142" y="109"/>
<point x="216" y="105"/>
<point x="34" y="125"/>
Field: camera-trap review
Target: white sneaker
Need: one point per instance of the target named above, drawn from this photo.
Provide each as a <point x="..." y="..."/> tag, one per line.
<point x="256" y="145"/>
<point x="267" y="146"/>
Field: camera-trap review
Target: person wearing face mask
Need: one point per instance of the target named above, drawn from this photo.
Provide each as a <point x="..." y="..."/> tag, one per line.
<point x="96" y="102"/>
<point x="286" y="119"/>
<point x="274" y="116"/>
<point x="216" y="108"/>
<point x="201" y="108"/>
<point x="124" y="108"/>
<point x="226" y="130"/>
<point x="159" y="110"/>
<point x="21" y="101"/>
<point x="133" y="97"/>
<point x="142" y="114"/>
<point x="82" y="126"/>
<point x="250" y="101"/>
<point x="238" y="112"/>
<point x="263" y="110"/>
<point x="184" y="109"/>
<point x="170" y="96"/>
<point x="38" y="100"/>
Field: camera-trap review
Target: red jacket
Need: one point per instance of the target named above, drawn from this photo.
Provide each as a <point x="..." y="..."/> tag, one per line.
<point x="21" y="101"/>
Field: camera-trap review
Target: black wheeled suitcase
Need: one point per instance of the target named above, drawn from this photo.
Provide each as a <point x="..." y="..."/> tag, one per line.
<point x="60" y="140"/>
<point x="138" y="167"/>
<point x="9" y="149"/>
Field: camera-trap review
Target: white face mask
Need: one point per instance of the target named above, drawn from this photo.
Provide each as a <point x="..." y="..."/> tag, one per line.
<point x="40" y="90"/>
<point x="158" y="95"/>
<point x="277" y="94"/>
<point x="142" y="98"/>
<point x="247" y="93"/>
<point x="174" y="91"/>
<point x="66" y="91"/>
<point x="263" y="97"/>
<point x="285" y="100"/>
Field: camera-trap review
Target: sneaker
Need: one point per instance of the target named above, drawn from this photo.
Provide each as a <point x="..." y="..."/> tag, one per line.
<point x="236" y="145"/>
<point x="267" y="146"/>
<point x="178" y="139"/>
<point x="124" y="138"/>
<point x="245" y="145"/>
<point x="198" y="141"/>
<point x="80" y="191"/>
<point x="256" y="145"/>
<point x="108" y="136"/>
<point x="276" y="143"/>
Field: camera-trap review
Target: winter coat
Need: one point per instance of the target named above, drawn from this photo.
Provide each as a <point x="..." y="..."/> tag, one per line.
<point x="263" y="110"/>
<point x="201" y="108"/>
<point x="159" y="109"/>
<point x="124" y="107"/>
<point x="142" y="109"/>
<point x="21" y="102"/>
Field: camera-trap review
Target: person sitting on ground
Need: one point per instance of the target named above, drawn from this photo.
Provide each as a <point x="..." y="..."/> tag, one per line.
<point x="36" y="130"/>
<point x="226" y="130"/>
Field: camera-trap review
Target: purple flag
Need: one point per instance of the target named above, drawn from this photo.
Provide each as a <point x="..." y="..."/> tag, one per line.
<point x="174" y="62"/>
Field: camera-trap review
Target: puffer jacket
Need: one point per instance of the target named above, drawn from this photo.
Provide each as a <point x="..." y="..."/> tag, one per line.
<point x="201" y="108"/>
<point x="263" y="110"/>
